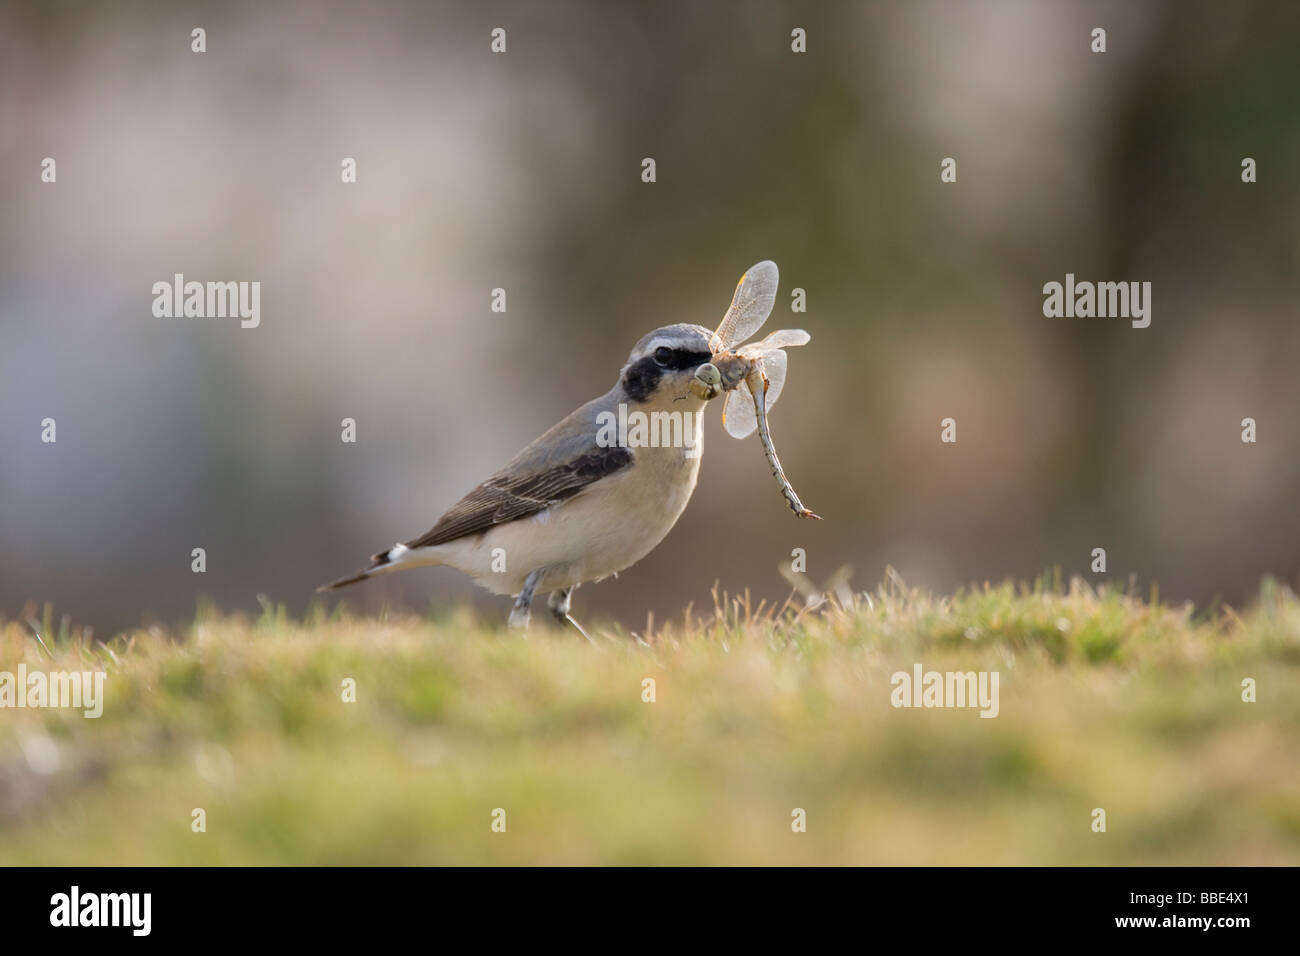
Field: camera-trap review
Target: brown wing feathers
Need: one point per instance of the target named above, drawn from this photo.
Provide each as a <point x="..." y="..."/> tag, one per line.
<point x="508" y="498"/>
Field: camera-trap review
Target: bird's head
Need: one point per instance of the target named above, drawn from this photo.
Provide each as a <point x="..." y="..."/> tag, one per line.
<point x="663" y="363"/>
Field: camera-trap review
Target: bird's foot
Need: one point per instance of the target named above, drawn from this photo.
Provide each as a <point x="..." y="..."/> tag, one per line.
<point x="519" y="613"/>
<point x="559" y="604"/>
<point x="577" y="627"/>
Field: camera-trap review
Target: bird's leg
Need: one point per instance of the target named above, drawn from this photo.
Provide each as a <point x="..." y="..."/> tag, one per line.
<point x="519" y="613"/>
<point x="559" y="604"/>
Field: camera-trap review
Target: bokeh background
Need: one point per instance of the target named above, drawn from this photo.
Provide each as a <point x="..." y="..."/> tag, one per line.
<point x="522" y="171"/>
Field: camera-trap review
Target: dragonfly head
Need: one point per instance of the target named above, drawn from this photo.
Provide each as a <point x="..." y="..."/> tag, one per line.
<point x="707" y="382"/>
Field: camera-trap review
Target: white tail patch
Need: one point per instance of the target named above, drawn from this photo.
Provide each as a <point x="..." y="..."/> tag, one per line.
<point x="400" y="556"/>
<point x="396" y="558"/>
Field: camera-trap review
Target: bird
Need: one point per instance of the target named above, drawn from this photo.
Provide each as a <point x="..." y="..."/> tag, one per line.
<point x="575" y="506"/>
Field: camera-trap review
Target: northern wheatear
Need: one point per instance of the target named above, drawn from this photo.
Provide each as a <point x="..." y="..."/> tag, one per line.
<point x="597" y="492"/>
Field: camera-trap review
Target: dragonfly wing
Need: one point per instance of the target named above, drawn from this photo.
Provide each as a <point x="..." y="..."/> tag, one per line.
<point x="750" y="306"/>
<point x="785" y="338"/>
<point x="774" y="367"/>
<point x="774" y="363"/>
<point x="738" y="416"/>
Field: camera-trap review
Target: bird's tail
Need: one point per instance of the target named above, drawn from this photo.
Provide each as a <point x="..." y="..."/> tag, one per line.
<point x="399" y="555"/>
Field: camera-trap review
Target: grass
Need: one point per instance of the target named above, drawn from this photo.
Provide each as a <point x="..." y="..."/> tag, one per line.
<point x="1106" y="700"/>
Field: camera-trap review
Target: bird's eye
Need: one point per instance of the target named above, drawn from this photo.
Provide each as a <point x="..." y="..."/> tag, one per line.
<point x="663" y="355"/>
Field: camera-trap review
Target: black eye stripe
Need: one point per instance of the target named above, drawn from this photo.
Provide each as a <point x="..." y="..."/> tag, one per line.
<point x="642" y="376"/>
<point x="679" y="359"/>
<point x="641" y="379"/>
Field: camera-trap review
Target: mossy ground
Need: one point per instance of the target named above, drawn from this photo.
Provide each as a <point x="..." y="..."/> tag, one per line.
<point x="1106" y="701"/>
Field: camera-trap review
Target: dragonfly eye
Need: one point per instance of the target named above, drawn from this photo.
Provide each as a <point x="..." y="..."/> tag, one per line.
<point x="663" y="355"/>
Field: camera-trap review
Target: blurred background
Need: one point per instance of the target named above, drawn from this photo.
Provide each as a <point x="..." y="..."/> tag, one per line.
<point x="522" y="171"/>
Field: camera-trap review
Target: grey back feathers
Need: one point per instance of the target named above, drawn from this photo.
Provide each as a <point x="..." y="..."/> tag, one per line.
<point x="552" y="469"/>
<point x="567" y="459"/>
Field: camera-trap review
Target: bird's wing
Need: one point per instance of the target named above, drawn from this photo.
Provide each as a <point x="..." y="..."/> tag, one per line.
<point x="560" y="464"/>
<point x="504" y="498"/>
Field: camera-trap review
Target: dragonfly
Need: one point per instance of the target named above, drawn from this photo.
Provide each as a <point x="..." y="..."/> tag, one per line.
<point x="754" y="374"/>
